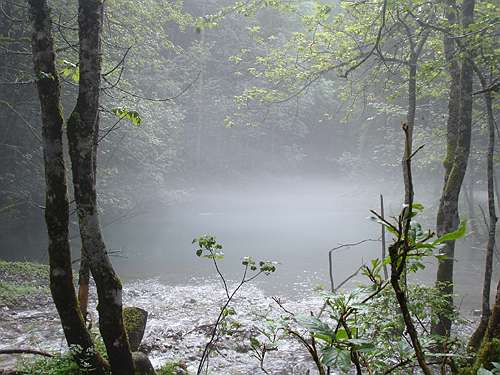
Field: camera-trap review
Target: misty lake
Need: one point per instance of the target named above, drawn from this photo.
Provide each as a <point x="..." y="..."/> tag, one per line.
<point x="292" y="222"/>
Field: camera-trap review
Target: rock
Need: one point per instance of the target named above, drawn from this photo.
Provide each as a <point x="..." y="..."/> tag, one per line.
<point x="142" y="364"/>
<point x="135" y="320"/>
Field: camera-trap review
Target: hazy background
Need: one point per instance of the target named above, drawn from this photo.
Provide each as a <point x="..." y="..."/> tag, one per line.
<point x="284" y="182"/>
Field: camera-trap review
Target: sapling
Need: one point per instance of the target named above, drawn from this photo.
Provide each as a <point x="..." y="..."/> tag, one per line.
<point x="208" y="247"/>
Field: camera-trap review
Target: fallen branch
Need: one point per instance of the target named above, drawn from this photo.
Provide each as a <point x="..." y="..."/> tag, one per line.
<point x="26" y="351"/>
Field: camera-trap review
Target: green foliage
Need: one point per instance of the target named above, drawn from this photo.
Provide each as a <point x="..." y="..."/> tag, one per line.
<point x="15" y="269"/>
<point x="494" y="370"/>
<point x="452" y="236"/>
<point x="172" y="368"/>
<point x="64" y="364"/>
<point x="59" y="365"/>
<point x="208" y="247"/>
<point x="10" y="293"/>
<point x="129" y="114"/>
<point x="420" y="242"/>
<point x="20" y="280"/>
<point x="366" y="323"/>
<point x="376" y="331"/>
<point x="70" y="70"/>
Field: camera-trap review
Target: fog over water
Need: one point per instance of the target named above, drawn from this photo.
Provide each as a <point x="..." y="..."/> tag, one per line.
<point x="290" y="220"/>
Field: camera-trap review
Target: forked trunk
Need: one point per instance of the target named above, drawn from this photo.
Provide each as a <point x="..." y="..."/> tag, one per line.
<point x="56" y="212"/>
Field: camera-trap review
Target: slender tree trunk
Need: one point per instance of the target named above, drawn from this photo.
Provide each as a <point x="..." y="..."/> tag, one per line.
<point x="458" y="149"/>
<point x="56" y="212"/>
<point x="497" y="192"/>
<point x="382" y="214"/>
<point x="83" y="126"/>
<point x="410" y="120"/>
<point x="398" y="253"/>
<point x="415" y="51"/>
<point x="477" y="336"/>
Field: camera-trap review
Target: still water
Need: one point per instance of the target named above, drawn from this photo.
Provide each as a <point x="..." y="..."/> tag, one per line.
<point x="292" y="223"/>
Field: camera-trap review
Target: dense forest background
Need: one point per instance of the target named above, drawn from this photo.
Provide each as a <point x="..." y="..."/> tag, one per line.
<point x="206" y="123"/>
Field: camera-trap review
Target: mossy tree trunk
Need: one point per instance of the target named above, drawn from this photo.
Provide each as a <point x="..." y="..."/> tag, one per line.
<point x="83" y="127"/>
<point x="479" y="333"/>
<point x="490" y="346"/>
<point x="56" y="211"/>
<point x="457" y="155"/>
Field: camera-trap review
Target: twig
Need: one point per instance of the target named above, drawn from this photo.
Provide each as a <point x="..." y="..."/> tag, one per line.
<point x="330" y="260"/>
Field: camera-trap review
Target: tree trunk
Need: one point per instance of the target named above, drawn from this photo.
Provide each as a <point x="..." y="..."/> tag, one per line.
<point x="490" y="347"/>
<point x="410" y="119"/>
<point x="455" y="163"/>
<point x="56" y="212"/>
<point x="470" y="200"/>
<point x="398" y="253"/>
<point x="83" y="127"/>
<point x="477" y="336"/>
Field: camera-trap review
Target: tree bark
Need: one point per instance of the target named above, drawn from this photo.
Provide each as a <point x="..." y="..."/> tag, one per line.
<point x="469" y="198"/>
<point x="83" y="127"/>
<point x="478" y="334"/>
<point x="83" y="284"/>
<point x="455" y="163"/>
<point x="490" y="347"/>
<point x="56" y="212"/>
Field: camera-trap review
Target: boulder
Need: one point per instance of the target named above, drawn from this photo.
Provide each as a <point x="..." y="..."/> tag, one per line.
<point x="142" y="364"/>
<point x="135" y="320"/>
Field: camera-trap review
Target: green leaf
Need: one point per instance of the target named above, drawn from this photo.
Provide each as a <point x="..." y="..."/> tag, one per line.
<point x="361" y="344"/>
<point x="70" y="70"/>
<point x="125" y="113"/>
<point x="341" y="334"/>
<point x="417" y="206"/>
<point x="339" y="358"/>
<point x="254" y="343"/>
<point x="483" y="371"/>
<point x="452" y="236"/>
<point x="316" y="326"/>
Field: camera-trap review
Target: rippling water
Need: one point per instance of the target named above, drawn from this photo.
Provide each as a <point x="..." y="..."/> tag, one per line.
<point x="177" y="326"/>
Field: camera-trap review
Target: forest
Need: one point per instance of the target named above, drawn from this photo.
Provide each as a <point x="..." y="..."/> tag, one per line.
<point x="288" y="187"/>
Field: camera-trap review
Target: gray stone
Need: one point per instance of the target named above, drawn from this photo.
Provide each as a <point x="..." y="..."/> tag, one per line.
<point x="142" y="364"/>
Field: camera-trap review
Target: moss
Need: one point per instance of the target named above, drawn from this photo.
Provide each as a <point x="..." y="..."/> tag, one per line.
<point x="489" y="352"/>
<point x="10" y="270"/>
<point x="132" y="318"/>
<point x="64" y="364"/>
<point x="20" y="280"/>
<point x="173" y="368"/>
<point x="11" y="293"/>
